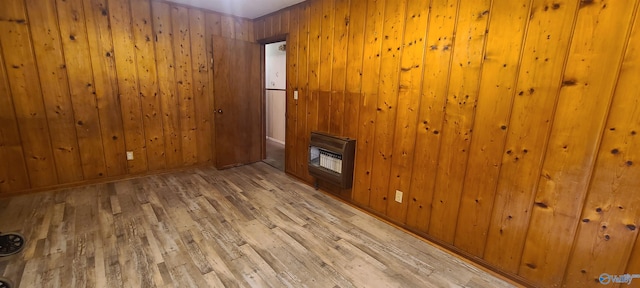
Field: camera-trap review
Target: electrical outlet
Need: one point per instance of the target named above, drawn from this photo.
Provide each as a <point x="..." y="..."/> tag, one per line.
<point x="129" y="155"/>
<point x="399" y="196"/>
<point x="295" y="95"/>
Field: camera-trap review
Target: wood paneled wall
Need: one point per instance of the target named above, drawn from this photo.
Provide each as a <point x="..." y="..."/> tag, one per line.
<point x="84" y="81"/>
<point x="510" y="126"/>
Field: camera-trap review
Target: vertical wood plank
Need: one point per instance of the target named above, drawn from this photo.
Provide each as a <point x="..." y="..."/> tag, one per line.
<point x="303" y="92"/>
<point x="315" y="26"/>
<point x="105" y="85"/>
<point x="546" y="46"/>
<point x="336" y="117"/>
<point x="276" y="23"/>
<point x="495" y="98"/>
<point x="213" y="25"/>
<point x="13" y="170"/>
<point x="634" y="259"/>
<point x="353" y="70"/>
<point x="409" y="95"/>
<point x="322" y="103"/>
<point x="269" y="26"/>
<point x="434" y="86"/>
<point x="291" y="145"/>
<point x="227" y="26"/>
<point x="43" y="23"/>
<point x="357" y="17"/>
<point x="240" y="30"/>
<point x="259" y="28"/>
<point x="462" y="97"/>
<point x="593" y="64"/>
<point x="247" y="33"/>
<point x="370" y="76"/>
<point x="326" y="65"/>
<point x="184" y="80"/>
<point x="326" y="49"/>
<point x="250" y="31"/>
<point x="123" y="46"/>
<point x="169" y="104"/>
<point x="203" y="101"/>
<point x="148" y="83"/>
<point x="339" y="66"/>
<point x="609" y="223"/>
<point x="83" y="97"/>
<point x="26" y="92"/>
<point x="285" y="20"/>
<point x="386" y="107"/>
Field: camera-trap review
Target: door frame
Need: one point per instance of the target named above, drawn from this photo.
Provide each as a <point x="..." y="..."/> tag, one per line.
<point x="263" y="103"/>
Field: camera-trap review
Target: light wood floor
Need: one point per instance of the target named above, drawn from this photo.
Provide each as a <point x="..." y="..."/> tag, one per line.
<point x="275" y="154"/>
<point x="246" y="226"/>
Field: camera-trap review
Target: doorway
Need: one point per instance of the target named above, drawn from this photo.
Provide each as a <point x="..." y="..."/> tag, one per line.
<point x="275" y="103"/>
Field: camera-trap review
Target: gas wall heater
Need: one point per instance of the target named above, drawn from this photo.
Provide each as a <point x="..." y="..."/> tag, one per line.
<point x="331" y="159"/>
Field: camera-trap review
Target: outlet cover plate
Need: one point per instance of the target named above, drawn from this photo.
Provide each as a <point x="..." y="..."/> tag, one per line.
<point x="399" y="196"/>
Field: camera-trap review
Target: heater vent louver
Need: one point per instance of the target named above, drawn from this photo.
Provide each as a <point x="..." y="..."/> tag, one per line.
<point x="331" y="159"/>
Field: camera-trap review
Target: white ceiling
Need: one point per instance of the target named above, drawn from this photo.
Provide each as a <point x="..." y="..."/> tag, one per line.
<point x="243" y="8"/>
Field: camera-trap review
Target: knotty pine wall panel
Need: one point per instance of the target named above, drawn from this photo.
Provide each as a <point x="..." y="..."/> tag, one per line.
<point x="542" y="66"/>
<point x="509" y="125"/>
<point x="26" y="94"/>
<point x="148" y="83"/>
<point x="203" y="115"/>
<point x="459" y="112"/>
<point x="125" y="57"/>
<point x="291" y="121"/>
<point x="15" y="177"/>
<point x="583" y="106"/>
<point x="163" y="38"/>
<point x="409" y="89"/>
<point x="439" y="41"/>
<point x="49" y="53"/>
<point x="77" y="60"/>
<point x="327" y="28"/>
<point x="495" y="99"/>
<point x="84" y="81"/>
<point x="106" y="86"/>
<point x="355" y="25"/>
<point x="184" y="80"/>
<point x="339" y="63"/>
<point x="607" y="225"/>
<point x="386" y="108"/>
<point x="368" y="100"/>
<point x="302" y="133"/>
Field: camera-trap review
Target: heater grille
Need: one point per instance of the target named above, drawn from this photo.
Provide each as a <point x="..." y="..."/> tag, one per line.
<point x="331" y="159"/>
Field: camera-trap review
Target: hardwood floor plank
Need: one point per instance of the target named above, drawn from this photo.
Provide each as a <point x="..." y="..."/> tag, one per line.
<point x="264" y="269"/>
<point x="275" y="254"/>
<point x="249" y="226"/>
